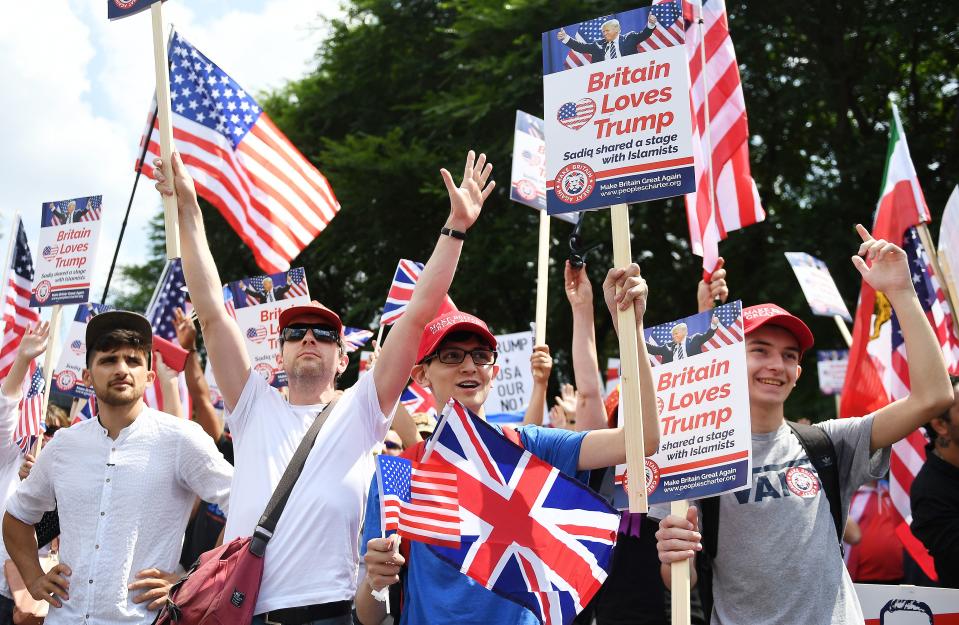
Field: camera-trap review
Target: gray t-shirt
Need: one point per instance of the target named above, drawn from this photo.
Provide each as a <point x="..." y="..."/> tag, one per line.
<point x="778" y="560"/>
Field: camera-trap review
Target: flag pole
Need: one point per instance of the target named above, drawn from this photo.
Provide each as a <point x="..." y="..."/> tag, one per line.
<point x="843" y="329"/>
<point x="708" y="156"/>
<point x="133" y="192"/>
<point x="542" y="278"/>
<point x="49" y="360"/>
<point x="162" y="69"/>
<point x="947" y="276"/>
<point x="926" y="238"/>
<point x="8" y="265"/>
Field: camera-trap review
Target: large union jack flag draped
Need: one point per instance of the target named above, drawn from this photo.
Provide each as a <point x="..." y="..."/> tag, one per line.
<point x="15" y="312"/>
<point x="401" y="292"/>
<point x="530" y="533"/>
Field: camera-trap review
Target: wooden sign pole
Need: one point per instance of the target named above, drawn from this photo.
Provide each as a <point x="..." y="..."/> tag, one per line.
<point x="945" y="285"/>
<point x="162" y="68"/>
<point x="49" y="362"/>
<point x="679" y="575"/>
<point x="629" y="379"/>
<point x="542" y="278"/>
<point x="843" y="329"/>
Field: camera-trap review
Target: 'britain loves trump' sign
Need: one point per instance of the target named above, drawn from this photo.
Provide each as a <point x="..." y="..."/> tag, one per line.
<point x="618" y="127"/>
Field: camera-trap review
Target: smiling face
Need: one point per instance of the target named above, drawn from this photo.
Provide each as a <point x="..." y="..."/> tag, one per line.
<point x="610" y="32"/>
<point x="772" y="365"/>
<point x="679" y="332"/>
<point x="267" y="284"/>
<point x="466" y="382"/>
<point x="118" y="376"/>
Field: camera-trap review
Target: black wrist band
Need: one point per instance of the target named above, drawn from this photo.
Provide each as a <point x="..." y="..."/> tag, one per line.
<point x="456" y="234"/>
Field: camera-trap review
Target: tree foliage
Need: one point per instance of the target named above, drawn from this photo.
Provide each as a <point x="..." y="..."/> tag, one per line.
<point x="401" y="89"/>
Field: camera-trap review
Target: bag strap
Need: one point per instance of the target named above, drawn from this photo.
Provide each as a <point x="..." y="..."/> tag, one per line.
<point x="271" y="516"/>
<point x="822" y="456"/>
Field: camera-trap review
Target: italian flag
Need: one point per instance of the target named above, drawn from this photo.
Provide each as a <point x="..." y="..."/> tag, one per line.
<point x="901" y="193"/>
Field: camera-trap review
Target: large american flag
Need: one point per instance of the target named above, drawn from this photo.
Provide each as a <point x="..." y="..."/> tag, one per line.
<point x="401" y="292"/>
<point x="725" y="141"/>
<point x="169" y="295"/>
<point x="31" y="422"/>
<point x="15" y="312"/>
<point x="529" y="532"/>
<point x="418" y="501"/>
<point x="669" y="29"/>
<point x="268" y="192"/>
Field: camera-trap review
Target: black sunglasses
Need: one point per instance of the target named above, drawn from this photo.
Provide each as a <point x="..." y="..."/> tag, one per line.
<point x="296" y="333"/>
<point x="454" y="356"/>
<point x="392" y="445"/>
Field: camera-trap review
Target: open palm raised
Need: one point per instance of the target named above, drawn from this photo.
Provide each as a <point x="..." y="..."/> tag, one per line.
<point x="466" y="200"/>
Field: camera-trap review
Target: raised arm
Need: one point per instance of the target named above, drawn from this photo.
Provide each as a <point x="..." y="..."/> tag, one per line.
<point x="541" y="364"/>
<point x="224" y="341"/>
<point x="33" y="343"/>
<point x="393" y="367"/>
<point x="885" y="268"/>
<point x="590" y="412"/>
<point x="204" y="413"/>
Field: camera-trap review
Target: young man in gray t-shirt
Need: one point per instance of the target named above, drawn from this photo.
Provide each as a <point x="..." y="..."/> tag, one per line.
<point x="778" y="558"/>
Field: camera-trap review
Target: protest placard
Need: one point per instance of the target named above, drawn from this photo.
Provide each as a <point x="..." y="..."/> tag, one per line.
<point x="831" y="366"/>
<point x="117" y="9"/>
<point x="256" y="303"/>
<point x="68" y="374"/>
<point x="699" y="369"/>
<point x="617" y="110"/>
<point x="513" y="386"/>
<point x="69" y="230"/>
<point x="817" y="285"/>
<point x="901" y="605"/>
<point x="529" y="162"/>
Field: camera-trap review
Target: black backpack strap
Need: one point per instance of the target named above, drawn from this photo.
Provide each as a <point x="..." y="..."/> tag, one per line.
<point x="822" y="455"/>
<point x="264" y="529"/>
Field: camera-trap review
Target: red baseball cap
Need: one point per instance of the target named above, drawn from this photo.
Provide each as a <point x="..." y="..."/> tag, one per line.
<point x="762" y="314"/>
<point x="313" y="309"/>
<point x="454" y="321"/>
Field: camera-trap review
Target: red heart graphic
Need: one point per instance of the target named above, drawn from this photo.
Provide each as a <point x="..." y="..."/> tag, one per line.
<point x="575" y="115"/>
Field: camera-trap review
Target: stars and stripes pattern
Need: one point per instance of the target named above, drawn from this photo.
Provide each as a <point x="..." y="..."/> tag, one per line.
<point x="418" y="501"/>
<point x="169" y="295"/>
<point x="669" y="29"/>
<point x="401" y="292"/>
<point x="588" y="32"/>
<point x="269" y="193"/>
<point x="15" y="312"/>
<point x="575" y="115"/>
<point x="90" y="213"/>
<point x="295" y="278"/>
<point x="355" y="338"/>
<point x="728" y="332"/>
<point x="31" y="422"/>
<point x="552" y="562"/>
<point x="417" y="399"/>
<point x="734" y="202"/>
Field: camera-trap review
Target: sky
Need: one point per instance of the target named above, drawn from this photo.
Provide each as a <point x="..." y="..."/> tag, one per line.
<point x="76" y="91"/>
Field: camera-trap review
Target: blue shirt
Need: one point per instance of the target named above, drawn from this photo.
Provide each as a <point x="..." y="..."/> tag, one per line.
<point x="434" y="592"/>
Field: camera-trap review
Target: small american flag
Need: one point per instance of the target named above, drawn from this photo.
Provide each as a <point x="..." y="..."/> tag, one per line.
<point x="268" y="192"/>
<point x="575" y="115"/>
<point x="355" y="338"/>
<point x="15" y="312"/>
<point x="30" y="425"/>
<point x="418" y="501"/>
<point x="669" y="29"/>
<point x="401" y="291"/>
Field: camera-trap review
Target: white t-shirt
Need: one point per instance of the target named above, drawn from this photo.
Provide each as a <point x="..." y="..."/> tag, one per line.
<point x="312" y="557"/>
<point x="10" y="460"/>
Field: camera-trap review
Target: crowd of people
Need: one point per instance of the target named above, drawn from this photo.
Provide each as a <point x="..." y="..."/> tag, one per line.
<point x="140" y="493"/>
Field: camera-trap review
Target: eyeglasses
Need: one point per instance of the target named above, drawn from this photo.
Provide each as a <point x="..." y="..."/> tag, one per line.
<point x="320" y="333"/>
<point x="455" y="355"/>
<point x="392" y="445"/>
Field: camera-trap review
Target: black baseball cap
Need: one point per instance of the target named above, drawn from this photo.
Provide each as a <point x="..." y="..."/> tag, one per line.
<point x="120" y="320"/>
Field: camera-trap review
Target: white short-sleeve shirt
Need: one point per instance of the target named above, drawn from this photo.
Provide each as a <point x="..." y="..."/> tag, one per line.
<point x="313" y="555"/>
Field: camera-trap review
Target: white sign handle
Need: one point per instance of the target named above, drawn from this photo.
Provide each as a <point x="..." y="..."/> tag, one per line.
<point x="162" y="69"/>
<point x="542" y="277"/>
<point x="843" y="329"/>
<point x="679" y="575"/>
<point x="629" y="361"/>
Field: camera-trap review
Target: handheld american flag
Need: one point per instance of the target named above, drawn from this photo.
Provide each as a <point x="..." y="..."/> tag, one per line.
<point x="355" y="338"/>
<point x="15" y="312"/>
<point x="31" y="423"/>
<point x="530" y="533"/>
<point x="268" y="192"/>
<point x="418" y="501"/>
<point x="401" y="292"/>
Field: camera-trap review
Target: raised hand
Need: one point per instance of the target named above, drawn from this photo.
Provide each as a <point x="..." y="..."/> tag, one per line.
<point x="625" y="287"/>
<point x="466" y="200"/>
<point x="579" y="291"/>
<point x="185" y="189"/>
<point x="185" y="329"/>
<point x="541" y="364"/>
<point x="567" y="399"/>
<point x="716" y="289"/>
<point x="883" y="265"/>
<point x="34" y="341"/>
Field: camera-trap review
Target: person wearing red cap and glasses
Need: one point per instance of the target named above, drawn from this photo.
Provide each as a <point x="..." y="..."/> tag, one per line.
<point x="777" y="554"/>
<point x="456" y="359"/>
<point x="311" y="561"/>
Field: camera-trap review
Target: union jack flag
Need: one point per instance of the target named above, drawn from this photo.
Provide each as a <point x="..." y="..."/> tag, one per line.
<point x="670" y="28"/>
<point x="529" y="532"/>
<point x="355" y="338"/>
<point x="15" y="312"/>
<point x="418" y="501"/>
<point x="88" y="411"/>
<point x="401" y="292"/>
<point x="31" y="423"/>
<point x="417" y="399"/>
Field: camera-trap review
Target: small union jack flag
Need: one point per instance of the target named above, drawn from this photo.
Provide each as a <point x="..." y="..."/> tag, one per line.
<point x="355" y="338"/>
<point x="401" y="292"/>
<point x="417" y="399"/>
<point x="31" y="423"/>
